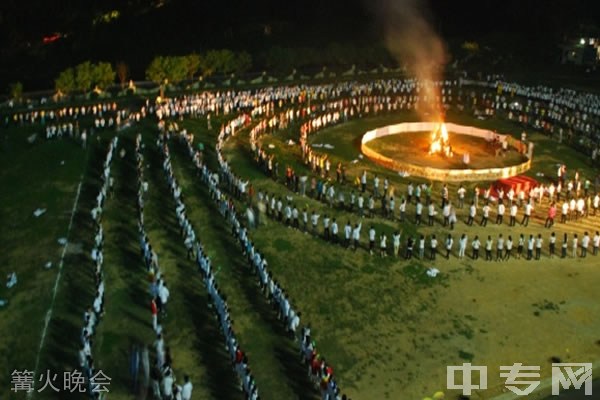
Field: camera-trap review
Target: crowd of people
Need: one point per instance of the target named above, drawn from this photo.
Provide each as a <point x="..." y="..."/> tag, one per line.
<point x="564" y="114"/>
<point x="195" y="249"/>
<point x="277" y="296"/>
<point x="94" y="314"/>
<point x="161" y="376"/>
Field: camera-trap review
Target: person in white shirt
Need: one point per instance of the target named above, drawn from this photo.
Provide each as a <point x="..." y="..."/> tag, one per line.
<point x="530" y="246"/>
<point x="509" y="246"/>
<point x="538" y="246"/>
<point x="356" y="235"/>
<point x="489" y="244"/>
<point x="500" y="216"/>
<point x="383" y="246"/>
<point x="419" y="212"/>
<point x="486" y="214"/>
<point x="314" y="219"/>
<point x="347" y="234"/>
<point x="461" y="196"/>
<point x="431" y="213"/>
<point x="372" y="235"/>
<point x="334" y="231"/>
<point x="552" y="244"/>
<point x="513" y="214"/>
<point x="167" y="385"/>
<point x="396" y="243"/>
<point x="585" y="242"/>
<point x="433" y="248"/>
<point x="596" y="243"/>
<point x="163" y="293"/>
<point x="449" y="244"/>
<point x="499" y="248"/>
<point x="421" y="247"/>
<point x="575" y="245"/>
<point x="472" y="213"/>
<point x="462" y="246"/>
<point x="527" y="213"/>
<point x="475" y="245"/>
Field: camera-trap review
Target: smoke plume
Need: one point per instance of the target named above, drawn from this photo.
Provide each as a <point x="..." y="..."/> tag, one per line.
<point x="413" y="42"/>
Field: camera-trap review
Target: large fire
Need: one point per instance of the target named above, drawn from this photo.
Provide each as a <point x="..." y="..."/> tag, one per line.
<point x="440" y="142"/>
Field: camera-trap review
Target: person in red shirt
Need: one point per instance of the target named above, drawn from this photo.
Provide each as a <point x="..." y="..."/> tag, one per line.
<point x="154" y="310"/>
<point x="551" y="215"/>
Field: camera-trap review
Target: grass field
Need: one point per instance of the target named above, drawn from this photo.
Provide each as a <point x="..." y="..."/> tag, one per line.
<point x="386" y="327"/>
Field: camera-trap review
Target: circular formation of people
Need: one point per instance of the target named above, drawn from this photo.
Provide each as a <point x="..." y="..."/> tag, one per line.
<point x="568" y="199"/>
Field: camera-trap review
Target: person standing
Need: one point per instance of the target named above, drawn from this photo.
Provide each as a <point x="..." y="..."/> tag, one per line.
<point x="419" y="212"/>
<point x="422" y="247"/>
<point x="513" y="214"/>
<point x="396" y="243"/>
<point x="530" y="246"/>
<point x="585" y="242"/>
<point x="186" y="389"/>
<point x="596" y="243"/>
<point x="334" y="231"/>
<point x="372" y="235"/>
<point x="402" y="209"/>
<point x="430" y="213"/>
<point x="539" y="242"/>
<point x="410" y="242"/>
<point x="499" y="248"/>
<point x="363" y="181"/>
<point x="520" y="246"/>
<point x="462" y="246"/>
<point x="383" y="245"/>
<point x="501" y="210"/>
<point x="356" y="235"/>
<point x="475" y="245"/>
<point x="575" y="245"/>
<point x="564" y="246"/>
<point x="433" y="248"/>
<point x="486" y="214"/>
<point x="472" y="213"/>
<point x="488" y="248"/>
<point x="551" y="215"/>
<point x="552" y="244"/>
<point x="154" y="311"/>
<point x="509" y="246"/>
<point x="527" y="213"/>
<point x="449" y="244"/>
<point x="347" y="234"/>
<point x="461" y="196"/>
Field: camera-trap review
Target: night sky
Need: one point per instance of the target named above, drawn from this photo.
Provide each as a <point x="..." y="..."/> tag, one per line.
<point x="146" y="28"/>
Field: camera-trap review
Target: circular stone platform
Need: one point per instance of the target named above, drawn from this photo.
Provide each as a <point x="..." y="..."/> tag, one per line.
<point x="409" y="152"/>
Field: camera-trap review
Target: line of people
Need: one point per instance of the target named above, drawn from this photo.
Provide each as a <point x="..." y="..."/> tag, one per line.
<point x="277" y="295"/>
<point x="237" y="355"/>
<point x="163" y="380"/>
<point x="94" y="314"/>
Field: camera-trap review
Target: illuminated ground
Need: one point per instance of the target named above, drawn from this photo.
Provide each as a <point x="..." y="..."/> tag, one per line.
<point x="413" y="148"/>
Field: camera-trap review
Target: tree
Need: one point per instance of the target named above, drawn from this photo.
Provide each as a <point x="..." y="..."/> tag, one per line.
<point x="16" y="91"/>
<point x="157" y="72"/>
<point x="192" y="64"/>
<point x="103" y="75"/>
<point x="176" y="69"/>
<point x="163" y="70"/>
<point x="243" y="62"/>
<point x="211" y="62"/>
<point x="84" y="76"/>
<point x="122" y="73"/>
<point x="65" y="82"/>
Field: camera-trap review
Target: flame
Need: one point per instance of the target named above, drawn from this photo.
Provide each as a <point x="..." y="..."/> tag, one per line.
<point x="440" y="141"/>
